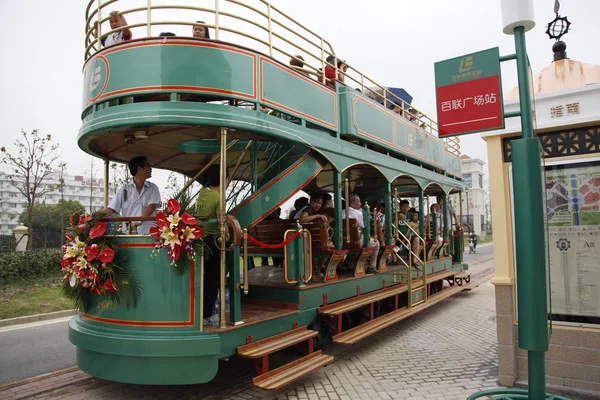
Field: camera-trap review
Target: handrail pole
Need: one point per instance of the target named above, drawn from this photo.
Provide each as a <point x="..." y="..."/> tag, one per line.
<point x="99" y="30"/>
<point x="106" y="178"/>
<point x="270" y="29"/>
<point x="216" y="19"/>
<point x="149" y="16"/>
<point x="237" y="165"/>
<point x="323" y="79"/>
<point x="245" y="237"/>
<point x="347" y="195"/>
<point x="396" y="207"/>
<point x="222" y="224"/>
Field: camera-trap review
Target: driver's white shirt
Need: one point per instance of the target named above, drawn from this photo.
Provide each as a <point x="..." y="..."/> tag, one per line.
<point x="128" y="202"/>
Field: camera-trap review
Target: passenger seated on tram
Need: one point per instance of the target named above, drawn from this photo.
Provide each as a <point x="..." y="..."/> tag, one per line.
<point x="451" y="211"/>
<point x="355" y="211"/>
<point x="166" y="34"/>
<point x="208" y="204"/>
<point x="297" y="63"/>
<point x="438" y="241"/>
<point x="116" y="21"/>
<point x="138" y="198"/>
<point x="309" y="214"/>
<point x="330" y="71"/>
<point x="403" y="220"/>
<point x="327" y="200"/>
<point x="200" y="31"/>
<point x="397" y="109"/>
<point x="299" y="205"/>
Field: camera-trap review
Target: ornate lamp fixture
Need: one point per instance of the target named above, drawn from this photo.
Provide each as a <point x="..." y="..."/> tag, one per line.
<point x="558" y="27"/>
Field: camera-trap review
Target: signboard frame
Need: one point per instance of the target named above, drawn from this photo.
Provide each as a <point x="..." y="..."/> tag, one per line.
<point x="465" y="73"/>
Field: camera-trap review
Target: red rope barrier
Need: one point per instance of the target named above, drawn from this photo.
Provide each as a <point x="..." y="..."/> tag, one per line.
<point x="273" y="246"/>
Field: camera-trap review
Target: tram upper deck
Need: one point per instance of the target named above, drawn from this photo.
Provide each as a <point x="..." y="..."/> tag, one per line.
<point x="170" y="94"/>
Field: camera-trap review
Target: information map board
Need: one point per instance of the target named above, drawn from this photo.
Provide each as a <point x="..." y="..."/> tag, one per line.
<point x="573" y="212"/>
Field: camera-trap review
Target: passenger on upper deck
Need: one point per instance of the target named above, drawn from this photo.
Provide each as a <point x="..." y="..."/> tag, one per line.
<point x="355" y="212"/>
<point x="138" y="198"/>
<point x="297" y="63"/>
<point x="116" y="21"/>
<point x="208" y="204"/>
<point x="300" y="204"/>
<point x="330" y="71"/>
<point x="200" y="31"/>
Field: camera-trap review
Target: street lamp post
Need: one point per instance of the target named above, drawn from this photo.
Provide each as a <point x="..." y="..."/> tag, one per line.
<point x="467" y="195"/>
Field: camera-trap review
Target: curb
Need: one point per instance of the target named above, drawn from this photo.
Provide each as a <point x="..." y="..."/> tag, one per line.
<point x="35" y="318"/>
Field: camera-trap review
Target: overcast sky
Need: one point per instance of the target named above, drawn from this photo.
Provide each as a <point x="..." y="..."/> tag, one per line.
<point x="396" y="42"/>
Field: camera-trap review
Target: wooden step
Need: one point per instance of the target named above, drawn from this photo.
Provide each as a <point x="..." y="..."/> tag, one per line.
<point x="355" y="334"/>
<point x="439" y="275"/>
<point x="278" y="378"/>
<point x="275" y="343"/>
<point x="362" y="300"/>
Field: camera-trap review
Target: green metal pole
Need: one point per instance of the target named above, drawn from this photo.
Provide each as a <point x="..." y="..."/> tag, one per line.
<point x="421" y="213"/>
<point x="529" y="234"/>
<point x="387" y="195"/>
<point x="338" y="229"/>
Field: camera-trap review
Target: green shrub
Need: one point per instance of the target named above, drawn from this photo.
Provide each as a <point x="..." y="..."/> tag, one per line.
<point x="18" y="266"/>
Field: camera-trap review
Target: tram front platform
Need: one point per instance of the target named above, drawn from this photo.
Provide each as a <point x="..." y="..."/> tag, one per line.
<point x="445" y="352"/>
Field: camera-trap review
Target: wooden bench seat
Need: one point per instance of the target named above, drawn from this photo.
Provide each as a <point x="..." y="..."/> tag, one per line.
<point x="360" y="332"/>
<point x="273" y="344"/>
<point x="278" y="378"/>
<point x="270" y="232"/>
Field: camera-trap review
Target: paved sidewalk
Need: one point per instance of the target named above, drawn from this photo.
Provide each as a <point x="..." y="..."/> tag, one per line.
<point x="445" y="352"/>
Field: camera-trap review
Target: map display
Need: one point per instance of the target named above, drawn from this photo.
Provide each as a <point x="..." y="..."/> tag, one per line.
<point x="573" y="215"/>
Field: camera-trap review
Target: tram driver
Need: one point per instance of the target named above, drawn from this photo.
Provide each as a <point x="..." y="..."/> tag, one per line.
<point x="138" y="198"/>
<point x="354" y="211"/>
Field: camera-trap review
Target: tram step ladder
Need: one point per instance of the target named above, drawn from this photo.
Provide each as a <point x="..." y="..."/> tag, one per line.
<point x="360" y="332"/>
<point x="260" y="351"/>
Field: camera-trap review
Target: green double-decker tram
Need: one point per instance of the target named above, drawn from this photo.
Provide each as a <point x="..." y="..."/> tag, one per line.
<point x="318" y="126"/>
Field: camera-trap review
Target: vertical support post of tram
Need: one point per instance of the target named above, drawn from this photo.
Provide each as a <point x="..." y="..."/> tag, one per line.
<point x="217" y="19"/>
<point x="106" y="180"/>
<point x="235" y="289"/>
<point x="222" y="225"/>
<point x="387" y="195"/>
<point x="421" y="214"/>
<point x="338" y="230"/>
<point x="517" y="18"/>
<point x="445" y="211"/>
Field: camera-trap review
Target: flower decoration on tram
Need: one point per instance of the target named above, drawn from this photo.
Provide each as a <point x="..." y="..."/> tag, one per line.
<point x="177" y="233"/>
<point x="90" y="265"/>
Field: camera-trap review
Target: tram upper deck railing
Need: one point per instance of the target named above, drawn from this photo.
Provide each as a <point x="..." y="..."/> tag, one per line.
<point x="257" y="25"/>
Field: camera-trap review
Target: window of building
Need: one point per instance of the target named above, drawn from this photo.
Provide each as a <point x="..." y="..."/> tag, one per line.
<point x="467" y="180"/>
<point x="481" y="181"/>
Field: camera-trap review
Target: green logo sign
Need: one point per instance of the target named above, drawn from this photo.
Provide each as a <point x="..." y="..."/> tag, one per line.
<point x="95" y="78"/>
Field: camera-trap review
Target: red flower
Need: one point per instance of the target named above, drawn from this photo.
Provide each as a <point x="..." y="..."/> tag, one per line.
<point x="162" y="221"/>
<point x="98" y="230"/>
<point x="65" y="262"/>
<point x="81" y="227"/>
<point x="155" y="233"/>
<point x="91" y="252"/>
<point x="173" y="206"/>
<point x="188" y="219"/>
<point x="97" y="290"/>
<point x="198" y="232"/>
<point x="74" y="217"/>
<point x="110" y="286"/>
<point x="85" y="218"/>
<point x="107" y="255"/>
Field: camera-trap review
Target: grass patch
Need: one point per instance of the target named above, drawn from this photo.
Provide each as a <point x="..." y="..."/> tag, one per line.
<point x="29" y="298"/>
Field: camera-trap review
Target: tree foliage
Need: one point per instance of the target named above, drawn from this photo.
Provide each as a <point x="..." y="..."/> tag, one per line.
<point x="31" y="167"/>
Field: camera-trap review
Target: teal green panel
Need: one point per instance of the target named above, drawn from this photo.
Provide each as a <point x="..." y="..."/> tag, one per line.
<point x="167" y="292"/>
<point x="178" y="65"/>
<point x="340" y="152"/>
<point x="435" y="150"/>
<point x="467" y="67"/>
<point x="276" y="192"/>
<point x="310" y="100"/>
<point x="209" y="146"/>
<point x="453" y="165"/>
<point x="373" y="122"/>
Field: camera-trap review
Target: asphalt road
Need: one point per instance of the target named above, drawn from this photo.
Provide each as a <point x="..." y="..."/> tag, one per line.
<point x="42" y="347"/>
<point x="34" y="349"/>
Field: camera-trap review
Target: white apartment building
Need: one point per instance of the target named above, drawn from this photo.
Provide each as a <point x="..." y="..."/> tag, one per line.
<point x="76" y="187"/>
<point x="475" y="194"/>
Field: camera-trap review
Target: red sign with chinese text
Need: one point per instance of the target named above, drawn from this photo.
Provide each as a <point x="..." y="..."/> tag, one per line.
<point x="470" y="106"/>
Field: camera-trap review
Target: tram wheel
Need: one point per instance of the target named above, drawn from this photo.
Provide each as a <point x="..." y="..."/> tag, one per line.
<point x="468" y="278"/>
<point x="459" y="281"/>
